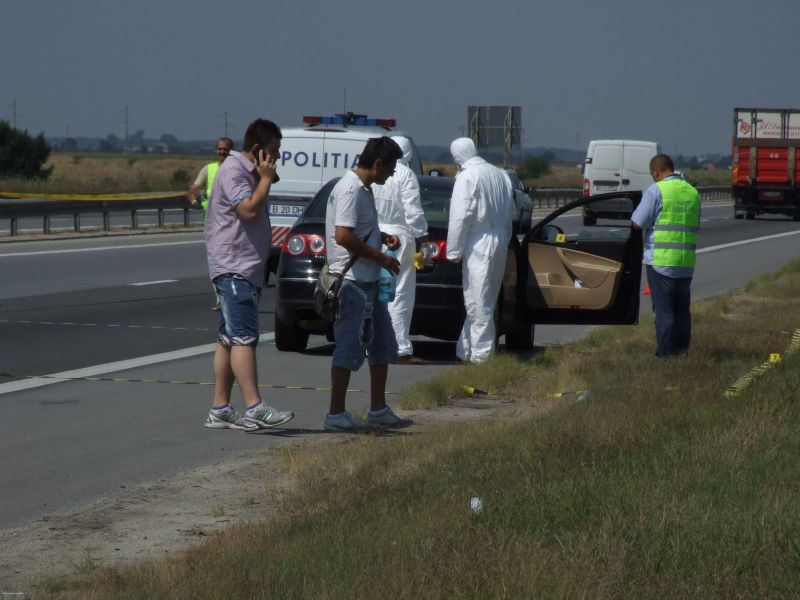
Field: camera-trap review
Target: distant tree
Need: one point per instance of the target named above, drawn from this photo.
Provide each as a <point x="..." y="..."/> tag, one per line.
<point x="534" y="167"/>
<point x="68" y="145"/>
<point x="110" y="144"/>
<point x="22" y="155"/>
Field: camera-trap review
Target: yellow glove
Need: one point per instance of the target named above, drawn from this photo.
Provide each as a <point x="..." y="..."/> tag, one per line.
<point x="418" y="258"/>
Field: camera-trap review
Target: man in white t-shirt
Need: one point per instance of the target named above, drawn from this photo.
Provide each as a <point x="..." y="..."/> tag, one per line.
<point x="363" y="326"/>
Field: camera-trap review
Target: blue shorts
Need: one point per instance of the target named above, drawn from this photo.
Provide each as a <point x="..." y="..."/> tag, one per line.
<point x="238" y="314"/>
<point x="359" y="334"/>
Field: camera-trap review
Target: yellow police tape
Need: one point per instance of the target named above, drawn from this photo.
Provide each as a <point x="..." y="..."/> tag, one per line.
<point x="745" y="380"/>
<point x="110" y="197"/>
<point x="740" y="385"/>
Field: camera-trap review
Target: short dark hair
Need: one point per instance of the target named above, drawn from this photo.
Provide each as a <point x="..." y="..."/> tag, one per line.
<point x="226" y="140"/>
<point x="383" y="148"/>
<point x="662" y="162"/>
<point x="261" y="132"/>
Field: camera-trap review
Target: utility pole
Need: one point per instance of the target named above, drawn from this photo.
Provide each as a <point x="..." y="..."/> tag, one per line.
<point x="125" y="147"/>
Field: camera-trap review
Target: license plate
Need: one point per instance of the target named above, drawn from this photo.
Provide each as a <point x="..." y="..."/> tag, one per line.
<point x="771" y="196"/>
<point x="291" y="210"/>
<point x="605" y="188"/>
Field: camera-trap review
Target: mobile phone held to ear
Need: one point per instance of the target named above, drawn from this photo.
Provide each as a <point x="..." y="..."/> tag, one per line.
<point x="255" y="150"/>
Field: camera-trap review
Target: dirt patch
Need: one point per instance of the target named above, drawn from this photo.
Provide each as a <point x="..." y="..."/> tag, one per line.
<point x="177" y="513"/>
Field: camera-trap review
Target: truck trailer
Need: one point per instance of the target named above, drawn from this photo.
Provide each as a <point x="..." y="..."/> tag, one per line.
<point x="766" y="162"/>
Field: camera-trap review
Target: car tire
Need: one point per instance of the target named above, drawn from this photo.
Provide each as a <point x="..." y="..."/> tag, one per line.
<point x="738" y="215"/>
<point x="750" y="215"/>
<point x="589" y="221"/>
<point x="288" y="338"/>
<point x="796" y="216"/>
<point x="521" y="340"/>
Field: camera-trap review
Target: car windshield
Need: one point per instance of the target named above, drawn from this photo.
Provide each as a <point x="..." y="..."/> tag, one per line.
<point x="435" y="201"/>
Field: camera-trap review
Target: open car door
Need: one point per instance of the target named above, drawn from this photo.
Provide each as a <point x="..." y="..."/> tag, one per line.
<point x="571" y="273"/>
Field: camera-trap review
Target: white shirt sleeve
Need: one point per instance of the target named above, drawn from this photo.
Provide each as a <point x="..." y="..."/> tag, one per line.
<point x="202" y="178"/>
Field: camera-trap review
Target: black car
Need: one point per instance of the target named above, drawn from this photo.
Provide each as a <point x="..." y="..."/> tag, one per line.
<point x="585" y="277"/>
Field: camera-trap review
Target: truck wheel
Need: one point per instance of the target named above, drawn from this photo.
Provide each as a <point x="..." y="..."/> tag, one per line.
<point x="288" y="338"/>
<point x="750" y="215"/>
<point x="521" y="340"/>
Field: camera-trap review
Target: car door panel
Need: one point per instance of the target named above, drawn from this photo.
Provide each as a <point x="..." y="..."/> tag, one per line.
<point x="580" y="274"/>
<point x="565" y="278"/>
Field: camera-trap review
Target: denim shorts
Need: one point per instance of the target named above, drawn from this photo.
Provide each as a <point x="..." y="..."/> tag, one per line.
<point x="359" y="333"/>
<point x="238" y="315"/>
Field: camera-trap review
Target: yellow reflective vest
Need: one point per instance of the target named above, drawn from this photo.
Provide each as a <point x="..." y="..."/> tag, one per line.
<point x="675" y="230"/>
<point x="212" y="173"/>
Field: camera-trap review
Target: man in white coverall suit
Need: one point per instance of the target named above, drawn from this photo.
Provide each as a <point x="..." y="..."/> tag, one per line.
<point x="479" y="230"/>
<point x="400" y="213"/>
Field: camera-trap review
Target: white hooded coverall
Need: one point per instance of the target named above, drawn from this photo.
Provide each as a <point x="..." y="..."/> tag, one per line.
<point x="479" y="230"/>
<point x="400" y="213"/>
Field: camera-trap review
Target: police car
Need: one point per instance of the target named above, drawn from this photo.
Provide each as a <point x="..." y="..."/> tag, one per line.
<point x="323" y="149"/>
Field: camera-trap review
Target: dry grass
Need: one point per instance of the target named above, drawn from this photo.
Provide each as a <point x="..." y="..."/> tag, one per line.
<point x="112" y="174"/>
<point x="655" y="486"/>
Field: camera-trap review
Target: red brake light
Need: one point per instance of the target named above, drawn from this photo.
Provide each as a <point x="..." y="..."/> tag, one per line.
<point x="587" y="189"/>
<point x="302" y="243"/>
<point x="440" y="253"/>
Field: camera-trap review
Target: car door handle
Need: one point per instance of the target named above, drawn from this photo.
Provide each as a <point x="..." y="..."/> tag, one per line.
<point x="626" y="181"/>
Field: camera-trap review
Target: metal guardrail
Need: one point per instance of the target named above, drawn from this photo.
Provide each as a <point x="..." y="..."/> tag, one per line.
<point x="556" y="197"/>
<point x="17" y="208"/>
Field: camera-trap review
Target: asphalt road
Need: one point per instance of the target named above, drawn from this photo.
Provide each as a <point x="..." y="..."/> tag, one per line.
<point x="75" y="304"/>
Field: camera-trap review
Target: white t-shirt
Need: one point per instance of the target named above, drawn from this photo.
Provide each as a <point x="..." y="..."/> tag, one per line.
<point x="352" y="205"/>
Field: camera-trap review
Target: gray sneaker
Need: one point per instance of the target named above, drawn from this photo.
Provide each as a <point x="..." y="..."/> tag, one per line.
<point x="229" y="419"/>
<point x="388" y="420"/>
<point x="263" y="416"/>
<point x="345" y="422"/>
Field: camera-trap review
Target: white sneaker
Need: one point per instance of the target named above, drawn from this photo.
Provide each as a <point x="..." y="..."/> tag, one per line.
<point x="228" y="419"/>
<point x="387" y="419"/>
<point x="344" y="421"/>
<point x="263" y="416"/>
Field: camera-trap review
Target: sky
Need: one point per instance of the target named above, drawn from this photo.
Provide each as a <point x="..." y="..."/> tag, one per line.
<point x="671" y="72"/>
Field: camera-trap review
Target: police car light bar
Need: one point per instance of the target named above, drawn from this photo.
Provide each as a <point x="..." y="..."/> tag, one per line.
<point x="349" y="119"/>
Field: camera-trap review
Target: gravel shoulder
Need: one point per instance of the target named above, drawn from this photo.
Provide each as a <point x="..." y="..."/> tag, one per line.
<point x="170" y="515"/>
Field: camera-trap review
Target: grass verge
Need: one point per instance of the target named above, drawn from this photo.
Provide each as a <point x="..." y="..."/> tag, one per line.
<point x="657" y="485"/>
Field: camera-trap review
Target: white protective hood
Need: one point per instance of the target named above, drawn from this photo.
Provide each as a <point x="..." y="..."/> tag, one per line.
<point x="462" y="150"/>
<point x="405" y="146"/>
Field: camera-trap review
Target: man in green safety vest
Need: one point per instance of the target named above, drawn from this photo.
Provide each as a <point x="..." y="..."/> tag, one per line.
<point x="669" y="215"/>
<point x="200" y="191"/>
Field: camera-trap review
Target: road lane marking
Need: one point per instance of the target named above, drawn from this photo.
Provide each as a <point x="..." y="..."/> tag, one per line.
<point x="750" y="241"/>
<point x="100" y="248"/>
<point x="10" y="322"/>
<point x="122" y="365"/>
<point x="157" y="282"/>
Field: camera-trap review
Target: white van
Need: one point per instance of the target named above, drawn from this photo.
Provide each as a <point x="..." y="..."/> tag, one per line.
<point x="612" y="166"/>
<point x="313" y="155"/>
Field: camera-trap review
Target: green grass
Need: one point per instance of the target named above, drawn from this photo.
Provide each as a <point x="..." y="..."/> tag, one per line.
<point x="657" y="486"/>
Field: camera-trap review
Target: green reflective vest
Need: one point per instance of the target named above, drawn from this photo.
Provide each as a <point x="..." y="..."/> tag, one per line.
<point x="212" y="173"/>
<point x="675" y="230"/>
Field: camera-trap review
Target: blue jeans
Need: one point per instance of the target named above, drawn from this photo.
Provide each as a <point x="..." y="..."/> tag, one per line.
<point x="363" y="328"/>
<point x="671" y="298"/>
<point x="238" y="315"/>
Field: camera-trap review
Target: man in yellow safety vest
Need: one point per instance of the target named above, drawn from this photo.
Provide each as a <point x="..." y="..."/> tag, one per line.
<point x="669" y="215"/>
<point x="204" y="182"/>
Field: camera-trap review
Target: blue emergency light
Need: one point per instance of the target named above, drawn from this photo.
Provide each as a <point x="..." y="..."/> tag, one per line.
<point x="349" y="119"/>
